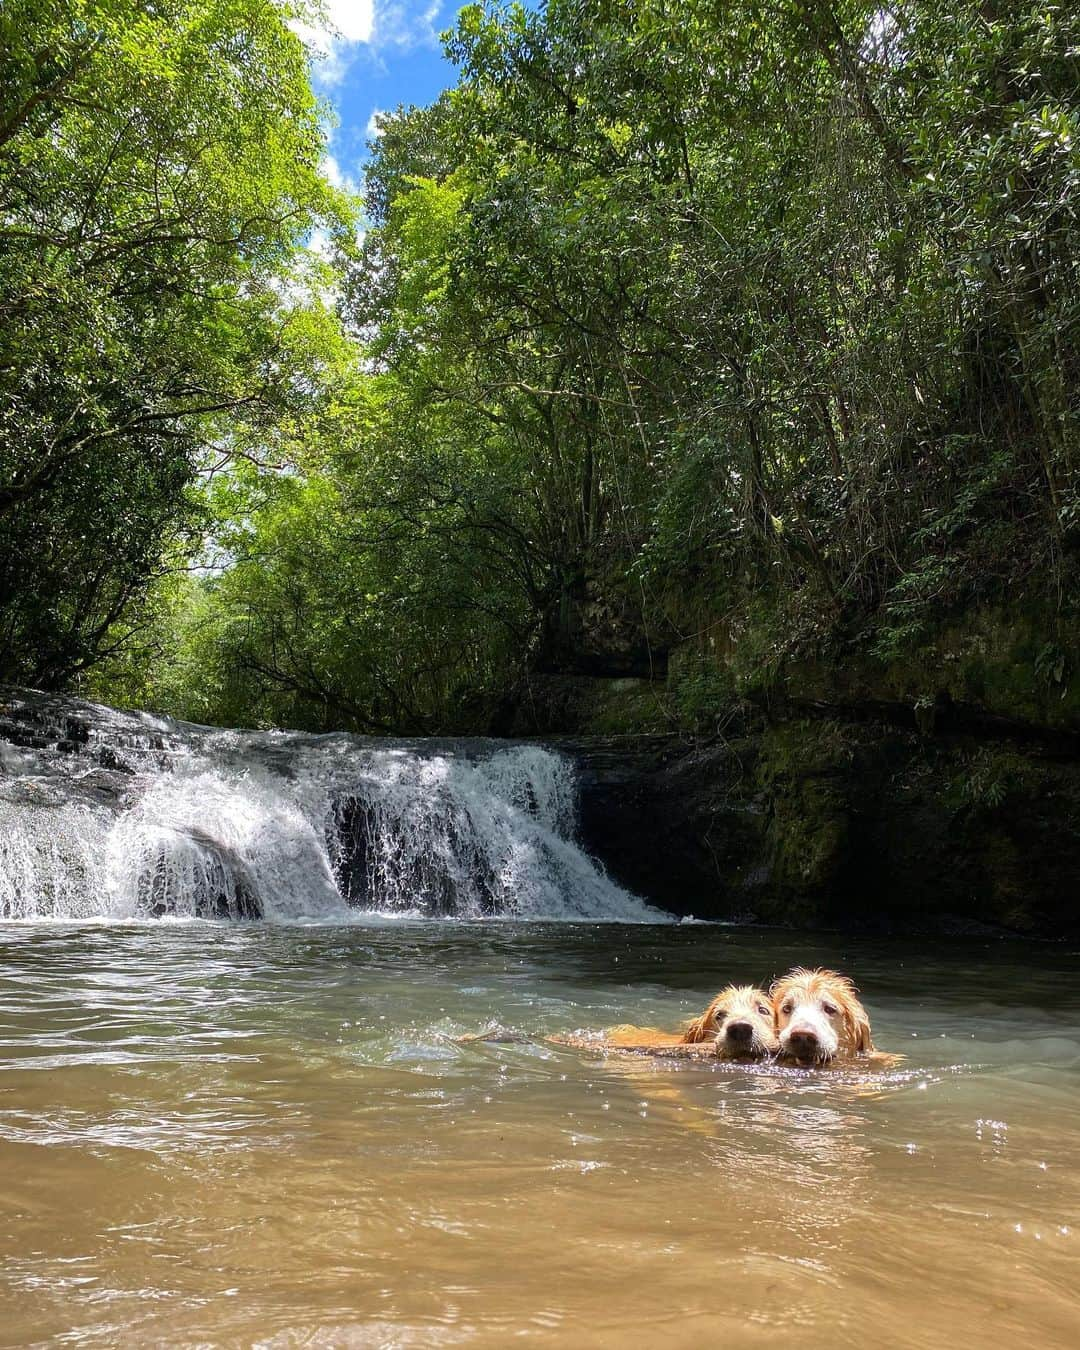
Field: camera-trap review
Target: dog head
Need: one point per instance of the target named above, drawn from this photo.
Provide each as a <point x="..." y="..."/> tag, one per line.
<point x="739" y="1021"/>
<point x="819" y="1017"/>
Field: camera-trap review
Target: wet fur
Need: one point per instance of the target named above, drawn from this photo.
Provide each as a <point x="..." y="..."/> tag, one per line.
<point x="733" y="1005"/>
<point x="708" y="1035"/>
<point x="705" y="1036"/>
<point x="814" y="990"/>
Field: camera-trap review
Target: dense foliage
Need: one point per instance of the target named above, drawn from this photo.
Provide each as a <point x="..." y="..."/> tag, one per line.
<point x="671" y="317"/>
<point x="159" y="170"/>
<point x="769" y="300"/>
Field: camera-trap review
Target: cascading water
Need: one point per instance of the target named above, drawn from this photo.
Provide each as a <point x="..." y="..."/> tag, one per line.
<point x="116" y="815"/>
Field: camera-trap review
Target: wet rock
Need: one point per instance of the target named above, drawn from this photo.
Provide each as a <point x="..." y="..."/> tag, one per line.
<point x="372" y="861"/>
<point x="349" y="844"/>
<point x="843" y="826"/>
<point x="110" y="759"/>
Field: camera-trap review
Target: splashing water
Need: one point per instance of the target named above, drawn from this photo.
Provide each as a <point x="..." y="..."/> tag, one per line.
<point x="51" y="858"/>
<point x="134" y="817"/>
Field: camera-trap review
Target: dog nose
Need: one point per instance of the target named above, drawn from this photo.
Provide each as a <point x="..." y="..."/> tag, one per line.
<point x="739" y="1031"/>
<point x="804" y="1042"/>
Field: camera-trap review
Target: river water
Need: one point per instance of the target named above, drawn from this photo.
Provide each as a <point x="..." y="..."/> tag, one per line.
<point x="253" y="1134"/>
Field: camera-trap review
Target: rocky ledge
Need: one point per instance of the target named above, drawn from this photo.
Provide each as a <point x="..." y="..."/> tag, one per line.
<point x="841" y="824"/>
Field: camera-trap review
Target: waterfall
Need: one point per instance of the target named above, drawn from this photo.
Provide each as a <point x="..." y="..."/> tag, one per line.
<point x="125" y="816"/>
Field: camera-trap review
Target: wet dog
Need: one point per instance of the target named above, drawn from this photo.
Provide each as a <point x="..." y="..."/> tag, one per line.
<point x="818" y="1017"/>
<point x="739" y="1022"/>
<point x="737" y="1025"/>
<point x="810" y="1018"/>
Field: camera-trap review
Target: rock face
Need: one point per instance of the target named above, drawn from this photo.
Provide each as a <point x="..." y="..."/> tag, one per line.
<point x="934" y="789"/>
<point x="858" y="826"/>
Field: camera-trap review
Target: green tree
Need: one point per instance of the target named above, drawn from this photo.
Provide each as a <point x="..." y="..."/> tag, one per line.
<point x="159" y="174"/>
<point x="675" y="317"/>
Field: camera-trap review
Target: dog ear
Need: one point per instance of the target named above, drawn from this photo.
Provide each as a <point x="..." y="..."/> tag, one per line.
<point x="860" y="1023"/>
<point x="701" y="1028"/>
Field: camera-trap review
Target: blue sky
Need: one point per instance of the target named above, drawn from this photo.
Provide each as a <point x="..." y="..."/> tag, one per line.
<point x="375" y="55"/>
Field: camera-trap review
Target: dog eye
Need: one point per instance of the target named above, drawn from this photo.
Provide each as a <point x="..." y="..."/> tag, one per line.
<point x="763" y="1010"/>
<point x="788" y="1008"/>
<point x="829" y="1009"/>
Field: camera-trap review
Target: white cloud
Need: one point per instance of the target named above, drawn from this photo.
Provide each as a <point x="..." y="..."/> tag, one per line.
<point x="403" y="24"/>
<point x="373" y="131"/>
<point x="353" y="19"/>
<point x="331" y="168"/>
<point x="333" y="31"/>
<point x="336" y="21"/>
<point x="319" y="244"/>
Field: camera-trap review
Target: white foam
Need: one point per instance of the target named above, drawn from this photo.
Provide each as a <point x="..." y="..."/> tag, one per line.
<point x="306" y="829"/>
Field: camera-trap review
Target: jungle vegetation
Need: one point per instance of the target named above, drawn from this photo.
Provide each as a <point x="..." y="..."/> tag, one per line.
<point x="669" y="316"/>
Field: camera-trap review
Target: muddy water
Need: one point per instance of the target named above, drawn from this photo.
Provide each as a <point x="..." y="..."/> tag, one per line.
<point x="240" y="1135"/>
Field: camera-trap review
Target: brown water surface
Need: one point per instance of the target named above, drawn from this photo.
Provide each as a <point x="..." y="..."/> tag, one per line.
<point x="249" y="1135"/>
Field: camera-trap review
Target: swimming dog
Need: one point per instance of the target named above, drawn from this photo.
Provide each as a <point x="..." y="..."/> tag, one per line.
<point x="818" y="1017"/>
<point x="737" y="1024"/>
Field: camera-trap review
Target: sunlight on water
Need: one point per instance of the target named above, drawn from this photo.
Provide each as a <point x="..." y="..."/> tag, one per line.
<point x="241" y="1134"/>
